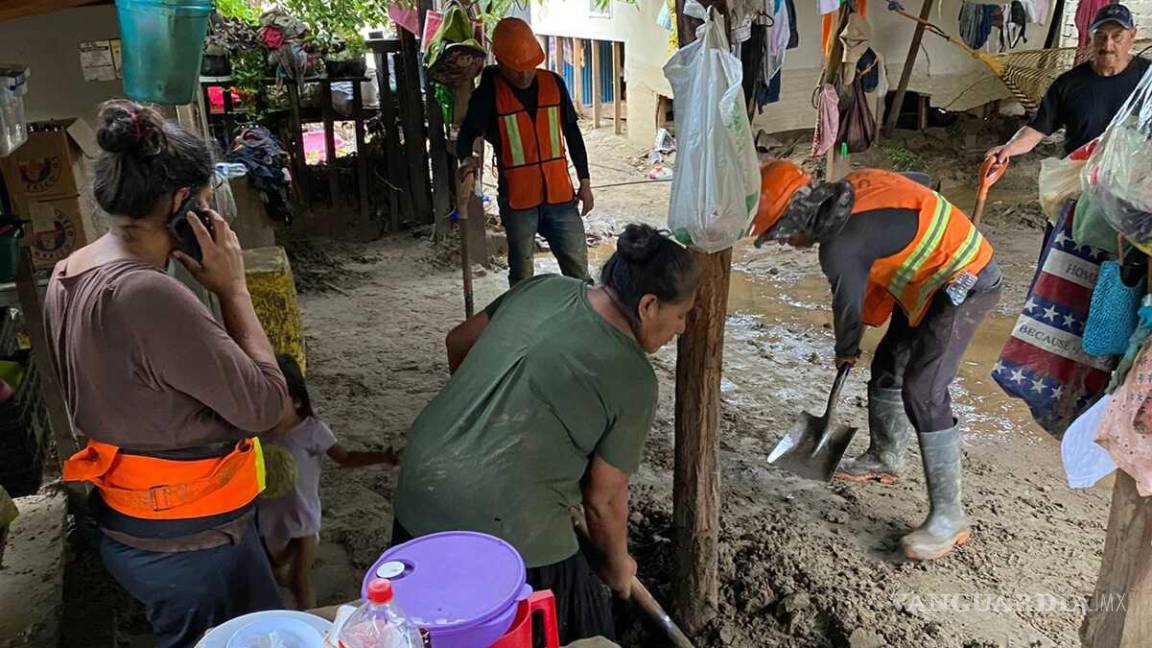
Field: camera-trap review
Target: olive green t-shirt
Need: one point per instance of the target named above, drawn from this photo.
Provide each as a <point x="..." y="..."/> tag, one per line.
<point x="502" y="449"/>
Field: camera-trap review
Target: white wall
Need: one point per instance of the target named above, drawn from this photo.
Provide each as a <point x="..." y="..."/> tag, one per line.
<point x="49" y="45"/>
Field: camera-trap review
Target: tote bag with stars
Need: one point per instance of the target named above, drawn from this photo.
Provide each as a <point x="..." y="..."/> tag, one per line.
<point x="1044" y="362"/>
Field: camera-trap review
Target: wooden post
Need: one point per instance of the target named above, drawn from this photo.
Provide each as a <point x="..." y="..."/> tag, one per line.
<point x="578" y="73"/>
<point x="617" y="99"/>
<point x="329" y="140"/>
<point x="696" y="477"/>
<point x="415" y="136"/>
<point x="361" y="146"/>
<point x="1118" y="612"/>
<point x="442" y="188"/>
<point x="596" y="103"/>
<point x="297" y="127"/>
<point x="909" y="63"/>
<point x="29" y="295"/>
<point x="399" y="206"/>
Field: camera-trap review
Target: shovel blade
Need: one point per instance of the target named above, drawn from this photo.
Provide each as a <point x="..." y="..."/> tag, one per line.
<point x="812" y="449"/>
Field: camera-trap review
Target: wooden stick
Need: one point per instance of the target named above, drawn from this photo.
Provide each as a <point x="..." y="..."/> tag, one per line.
<point x="329" y="140"/>
<point x="596" y="104"/>
<point x="836" y="166"/>
<point x="909" y="63"/>
<point x="617" y="91"/>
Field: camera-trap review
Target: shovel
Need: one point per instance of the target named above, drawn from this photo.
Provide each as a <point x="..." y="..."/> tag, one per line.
<point x="814" y="446"/>
<point x="990" y="172"/>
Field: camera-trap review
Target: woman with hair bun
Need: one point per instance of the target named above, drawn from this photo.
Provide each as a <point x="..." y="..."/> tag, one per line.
<point x="169" y="400"/>
<point x="548" y="408"/>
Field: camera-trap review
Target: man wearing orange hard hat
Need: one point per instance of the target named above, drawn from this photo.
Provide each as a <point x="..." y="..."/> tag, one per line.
<point x="893" y="249"/>
<point x="527" y="115"/>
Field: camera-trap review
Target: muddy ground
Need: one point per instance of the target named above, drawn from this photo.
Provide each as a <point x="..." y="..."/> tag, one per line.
<point x="803" y="564"/>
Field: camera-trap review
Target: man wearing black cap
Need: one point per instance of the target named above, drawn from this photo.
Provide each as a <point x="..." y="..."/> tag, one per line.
<point x="1084" y="99"/>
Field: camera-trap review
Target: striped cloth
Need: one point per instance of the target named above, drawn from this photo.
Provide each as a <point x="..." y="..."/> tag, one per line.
<point x="1044" y="363"/>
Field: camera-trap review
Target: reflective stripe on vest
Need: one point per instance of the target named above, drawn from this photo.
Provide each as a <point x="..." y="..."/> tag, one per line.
<point x="151" y="488"/>
<point x="533" y="160"/>
<point x="946" y="244"/>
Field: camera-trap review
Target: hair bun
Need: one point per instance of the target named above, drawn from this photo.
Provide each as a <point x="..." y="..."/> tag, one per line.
<point x="639" y="243"/>
<point x="127" y="128"/>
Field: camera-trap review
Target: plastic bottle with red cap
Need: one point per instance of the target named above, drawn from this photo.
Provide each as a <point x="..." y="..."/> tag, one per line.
<point x="380" y="623"/>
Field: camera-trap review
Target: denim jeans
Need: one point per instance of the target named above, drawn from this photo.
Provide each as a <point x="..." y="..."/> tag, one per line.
<point x="187" y="592"/>
<point x="560" y="225"/>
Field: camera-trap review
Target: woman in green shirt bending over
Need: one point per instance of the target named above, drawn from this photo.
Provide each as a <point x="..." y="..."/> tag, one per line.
<point x="551" y="399"/>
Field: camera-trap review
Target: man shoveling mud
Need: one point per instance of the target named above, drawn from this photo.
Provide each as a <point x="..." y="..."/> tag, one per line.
<point x="891" y="247"/>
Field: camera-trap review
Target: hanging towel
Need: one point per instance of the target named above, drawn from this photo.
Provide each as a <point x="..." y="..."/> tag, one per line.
<point x="779" y="33"/>
<point x="827" y="120"/>
<point x="1043" y="363"/>
<point x="977" y="21"/>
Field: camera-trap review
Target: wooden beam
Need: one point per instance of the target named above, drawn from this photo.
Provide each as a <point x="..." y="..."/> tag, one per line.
<point x="596" y="103"/>
<point x="412" y="118"/>
<point x="442" y="188"/>
<point x="1118" y="610"/>
<point x="578" y="73"/>
<point x="301" y="170"/>
<point x="396" y="172"/>
<point x="617" y="98"/>
<point x="909" y="63"/>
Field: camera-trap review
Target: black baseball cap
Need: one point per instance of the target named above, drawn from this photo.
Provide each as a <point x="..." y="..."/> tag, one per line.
<point x="1116" y="13"/>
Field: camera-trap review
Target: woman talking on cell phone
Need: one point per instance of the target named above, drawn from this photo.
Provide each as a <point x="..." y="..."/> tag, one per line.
<point x="168" y="399"/>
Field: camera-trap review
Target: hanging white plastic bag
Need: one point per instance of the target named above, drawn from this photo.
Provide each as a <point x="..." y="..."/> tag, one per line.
<point x="716" y="188"/>
<point x="1119" y="172"/>
<point x="1085" y="461"/>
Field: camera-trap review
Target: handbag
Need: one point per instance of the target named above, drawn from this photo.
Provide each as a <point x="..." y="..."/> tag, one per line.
<point x="1113" y="311"/>
<point x="857" y="124"/>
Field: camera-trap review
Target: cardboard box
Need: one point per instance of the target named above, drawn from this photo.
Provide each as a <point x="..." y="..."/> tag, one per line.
<point x="58" y="228"/>
<point x="51" y="164"/>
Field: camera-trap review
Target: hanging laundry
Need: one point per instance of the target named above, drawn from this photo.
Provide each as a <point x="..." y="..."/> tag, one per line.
<point x="827" y="121"/>
<point x="772" y="90"/>
<point x="1015" y="25"/>
<point x="779" y="33"/>
<point x="1085" y="12"/>
<point x="1127" y="421"/>
<point x="977" y="22"/>
<point x="408" y="18"/>
<point x="869" y="69"/>
<point x="793" y="25"/>
<point x="828" y="6"/>
<point x="854" y="41"/>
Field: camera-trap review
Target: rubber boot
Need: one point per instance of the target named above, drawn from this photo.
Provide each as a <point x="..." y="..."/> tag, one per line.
<point x="890" y="431"/>
<point x="946" y="527"/>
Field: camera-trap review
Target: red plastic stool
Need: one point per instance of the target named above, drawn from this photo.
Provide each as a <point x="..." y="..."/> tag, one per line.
<point x="520" y="634"/>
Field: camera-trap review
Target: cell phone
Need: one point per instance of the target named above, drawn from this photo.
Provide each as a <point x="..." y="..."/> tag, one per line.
<point x="182" y="231"/>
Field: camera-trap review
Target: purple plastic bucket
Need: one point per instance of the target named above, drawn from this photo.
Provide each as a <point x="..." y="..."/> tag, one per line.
<point x="463" y="587"/>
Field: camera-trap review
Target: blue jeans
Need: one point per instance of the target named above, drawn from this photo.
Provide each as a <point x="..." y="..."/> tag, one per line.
<point x="560" y="225"/>
<point x="187" y="592"/>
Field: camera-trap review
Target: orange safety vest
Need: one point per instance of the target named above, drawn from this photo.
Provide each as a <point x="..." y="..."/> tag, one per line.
<point x="946" y="244"/>
<point x="151" y="488"/>
<point x="533" y="158"/>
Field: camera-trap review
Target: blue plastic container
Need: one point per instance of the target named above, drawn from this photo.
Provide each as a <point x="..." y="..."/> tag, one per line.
<point x="162" y="44"/>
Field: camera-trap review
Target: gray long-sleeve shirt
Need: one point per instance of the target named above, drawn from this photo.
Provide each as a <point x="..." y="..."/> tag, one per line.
<point x="847" y="258"/>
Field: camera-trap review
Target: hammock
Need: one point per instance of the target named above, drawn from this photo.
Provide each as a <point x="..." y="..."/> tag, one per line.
<point x="1027" y="74"/>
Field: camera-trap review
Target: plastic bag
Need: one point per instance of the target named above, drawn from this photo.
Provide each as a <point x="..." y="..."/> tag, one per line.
<point x="1120" y="169"/>
<point x="1090" y="227"/>
<point x="1058" y="181"/>
<point x="1085" y="462"/>
<point x="716" y="188"/>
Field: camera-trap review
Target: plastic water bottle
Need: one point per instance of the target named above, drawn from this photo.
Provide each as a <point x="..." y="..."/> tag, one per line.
<point x="380" y="623"/>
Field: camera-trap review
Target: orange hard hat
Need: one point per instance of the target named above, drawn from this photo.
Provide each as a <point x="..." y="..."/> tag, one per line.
<point x="516" y="46"/>
<point x="779" y="180"/>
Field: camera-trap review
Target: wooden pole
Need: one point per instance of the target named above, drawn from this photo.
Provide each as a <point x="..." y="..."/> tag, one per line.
<point x="909" y="63"/>
<point x="361" y="148"/>
<point x="578" y="63"/>
<point x="297" y="126"/>
<point x="696" y="477"/>
<point x="329" y="116"/>
<point x="596" y="104"/>
<point x="617" y="99"/>
<point x="1118" y="614"/>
